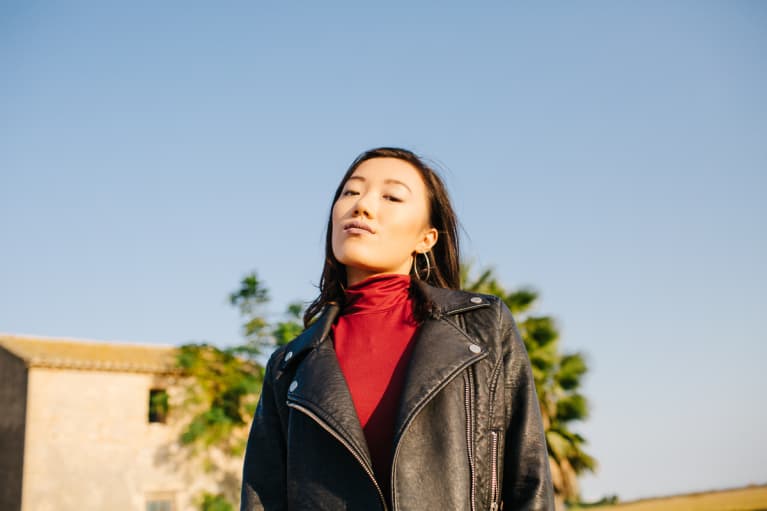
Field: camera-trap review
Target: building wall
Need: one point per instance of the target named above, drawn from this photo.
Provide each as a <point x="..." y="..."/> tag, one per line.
<point x="89" y="445"/>
<point x="13" y="403"/>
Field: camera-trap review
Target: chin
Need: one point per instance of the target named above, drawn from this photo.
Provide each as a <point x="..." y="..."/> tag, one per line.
<point x="359" y="259"/>
<point x="353" y="255"/>
<point x="361" y="263"/>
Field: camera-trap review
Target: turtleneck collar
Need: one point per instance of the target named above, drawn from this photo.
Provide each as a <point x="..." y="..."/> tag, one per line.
<point x="376" y="293"/>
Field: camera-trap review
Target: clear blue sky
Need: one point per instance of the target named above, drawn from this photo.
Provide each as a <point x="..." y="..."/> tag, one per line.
<point x="613" y="155"/>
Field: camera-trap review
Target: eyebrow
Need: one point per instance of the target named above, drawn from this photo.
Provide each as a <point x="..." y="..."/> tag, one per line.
<point x="386" y="181"/>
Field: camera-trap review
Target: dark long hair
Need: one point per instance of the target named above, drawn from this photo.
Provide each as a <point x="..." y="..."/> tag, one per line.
<point x="443" y="257"/>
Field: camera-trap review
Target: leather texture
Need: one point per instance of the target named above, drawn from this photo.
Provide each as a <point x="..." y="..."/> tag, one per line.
<point x="468" y="433"/>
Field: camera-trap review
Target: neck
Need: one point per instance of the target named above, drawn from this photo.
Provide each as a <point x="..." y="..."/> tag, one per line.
<point x="355" y="275"/>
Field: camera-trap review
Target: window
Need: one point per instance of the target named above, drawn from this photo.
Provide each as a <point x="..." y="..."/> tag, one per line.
<point x="160" y="501"/>
<point x="159" y="505"/>
<point x="158" y="411"/>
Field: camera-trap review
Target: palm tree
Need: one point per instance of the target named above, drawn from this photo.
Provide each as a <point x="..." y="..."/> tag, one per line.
<point x="557" y="378"/>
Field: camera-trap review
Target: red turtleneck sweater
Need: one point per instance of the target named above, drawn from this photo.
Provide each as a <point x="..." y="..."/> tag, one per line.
<point x="373" y="341"/>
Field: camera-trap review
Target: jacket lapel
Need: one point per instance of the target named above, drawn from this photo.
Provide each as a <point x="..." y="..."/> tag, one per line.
<point x="311" y="337"/>
<point x="440" y="353"/>
<point x="320" y="386"/>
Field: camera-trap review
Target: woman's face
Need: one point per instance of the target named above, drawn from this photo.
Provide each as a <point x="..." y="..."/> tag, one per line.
<point x="380" y="219"/>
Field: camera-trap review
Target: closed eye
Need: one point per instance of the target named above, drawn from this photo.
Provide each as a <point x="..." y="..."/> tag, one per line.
<point x="392" y="198"/>
<point x="350" y="192"/>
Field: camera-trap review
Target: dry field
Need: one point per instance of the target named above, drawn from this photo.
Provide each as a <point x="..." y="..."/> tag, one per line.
<point x="752" y="498"/>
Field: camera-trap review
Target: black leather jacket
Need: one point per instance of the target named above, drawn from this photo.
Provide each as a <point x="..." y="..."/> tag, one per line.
<point x="468" y="435"/>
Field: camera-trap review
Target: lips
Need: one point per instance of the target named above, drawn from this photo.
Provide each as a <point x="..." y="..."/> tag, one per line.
<point x="355" y="226"/>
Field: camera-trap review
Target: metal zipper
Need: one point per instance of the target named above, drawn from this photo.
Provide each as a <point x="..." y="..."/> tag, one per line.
<point x="346" y="444"/>
<point x="494" y="471"/>
<point x="409" y="421"/>
<point x="468" y="388"/>
<point x="414" y="412"/>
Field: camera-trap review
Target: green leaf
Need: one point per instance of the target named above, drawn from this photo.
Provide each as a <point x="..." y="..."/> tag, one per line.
<point x="571" y="368"/>
<point x="521" y="300"/>
<point x="215" y="502"/>
<point x="572" y="407"/>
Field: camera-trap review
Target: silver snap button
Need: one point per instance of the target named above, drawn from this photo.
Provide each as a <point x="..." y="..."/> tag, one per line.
<point x="475" y="348"/>
<point x="288" y="356"/>
<point x="475" y="299"/>
<point x="293" y="385"/>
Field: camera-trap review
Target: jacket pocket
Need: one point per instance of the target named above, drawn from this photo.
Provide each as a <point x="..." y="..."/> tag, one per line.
<point x="494" y="469"/>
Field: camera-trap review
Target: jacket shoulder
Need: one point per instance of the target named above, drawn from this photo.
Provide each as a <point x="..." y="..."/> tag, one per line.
<point x="314" y="334"/>
<point x="449" y="301"/>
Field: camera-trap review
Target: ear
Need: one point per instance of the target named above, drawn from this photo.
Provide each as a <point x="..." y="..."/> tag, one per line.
<point x="428" y="240"/>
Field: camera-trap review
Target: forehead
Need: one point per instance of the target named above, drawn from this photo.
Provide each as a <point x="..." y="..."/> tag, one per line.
<point x="379" y="170"/>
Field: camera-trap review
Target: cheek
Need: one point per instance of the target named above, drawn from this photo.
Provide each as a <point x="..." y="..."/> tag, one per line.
<point x="334" y="212"/>
<point x="335" y="228"/>
<point x="410" y="223"/>
<point x="335" y="217"/>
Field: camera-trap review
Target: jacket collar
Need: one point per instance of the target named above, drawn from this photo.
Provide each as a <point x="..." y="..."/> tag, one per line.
<point x="445" y="302"/>
<point x="441" y="351"/>
<point x="451" y="301"/>
<point x="311" y="337"/>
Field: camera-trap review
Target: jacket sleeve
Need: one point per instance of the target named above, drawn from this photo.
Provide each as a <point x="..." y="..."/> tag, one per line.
<point x="526" y="472"/>
<point x="264" y="475"/>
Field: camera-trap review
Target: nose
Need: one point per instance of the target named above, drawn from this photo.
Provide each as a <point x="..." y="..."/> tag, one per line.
<point x="363" y="206"/>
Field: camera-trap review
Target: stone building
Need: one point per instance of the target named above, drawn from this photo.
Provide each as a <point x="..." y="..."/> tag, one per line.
<point x="87" y="426"/>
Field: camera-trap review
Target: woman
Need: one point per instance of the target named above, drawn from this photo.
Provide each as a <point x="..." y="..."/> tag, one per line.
<point x="403" y="392"/>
